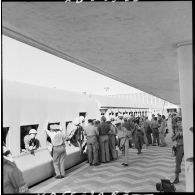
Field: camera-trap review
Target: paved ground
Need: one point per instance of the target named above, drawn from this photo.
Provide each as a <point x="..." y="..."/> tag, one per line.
<point x="144" y="171"/>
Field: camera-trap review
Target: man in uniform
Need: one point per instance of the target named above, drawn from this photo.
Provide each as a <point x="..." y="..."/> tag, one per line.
<point x="123" y="135"/>
<point x="59" y="150"/>
<point x="139" y="135"/>
<point x="162" y="132"/>
<point x="92" y="144"/>
<point x="103" y="129"/>
<point x="31" y="142"/>
<point x="174" y="122"/>
<point x="178" y="137"/>
<point x="112" y="141"/>
<point x="148" y="130"/>
<point x="155" y="133"/>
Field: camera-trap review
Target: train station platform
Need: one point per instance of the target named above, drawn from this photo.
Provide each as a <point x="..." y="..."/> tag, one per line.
<point x="142" y="174"/>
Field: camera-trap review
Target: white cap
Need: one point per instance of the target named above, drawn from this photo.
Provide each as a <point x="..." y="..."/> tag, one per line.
<point x="81" y="119"/>
<point x="77" y="121"/>
<point x="54" y="126"/>
<point x="32" y="131"/>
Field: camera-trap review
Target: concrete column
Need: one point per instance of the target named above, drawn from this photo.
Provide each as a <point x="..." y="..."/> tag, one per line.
<point x="184" y="52"/>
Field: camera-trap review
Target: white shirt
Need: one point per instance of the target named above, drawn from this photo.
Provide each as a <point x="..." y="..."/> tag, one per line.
<point x="57" y="137"/>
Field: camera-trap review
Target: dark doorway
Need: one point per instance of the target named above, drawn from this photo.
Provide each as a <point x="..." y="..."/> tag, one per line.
<point x="5" y="132"/>
<point x="24" y="130"/>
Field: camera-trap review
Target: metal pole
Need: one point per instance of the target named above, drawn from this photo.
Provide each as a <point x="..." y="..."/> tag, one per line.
<point x="163" y="107"/>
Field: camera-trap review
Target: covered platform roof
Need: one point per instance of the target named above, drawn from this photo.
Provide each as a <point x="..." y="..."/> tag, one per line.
<point x="134" y="42"/>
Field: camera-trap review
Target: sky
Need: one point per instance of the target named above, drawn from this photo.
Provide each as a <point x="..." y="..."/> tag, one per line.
<point x="27" y="64"/>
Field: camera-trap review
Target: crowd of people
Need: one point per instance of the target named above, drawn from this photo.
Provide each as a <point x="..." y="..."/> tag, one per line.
<point x="103" y="139"/>
<point x="106" y="136"/>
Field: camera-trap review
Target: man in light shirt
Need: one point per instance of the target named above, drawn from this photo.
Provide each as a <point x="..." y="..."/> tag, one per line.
<point x="162" y="132"/>
<point x="92" y="143"/>
<point x="59" y="150"/>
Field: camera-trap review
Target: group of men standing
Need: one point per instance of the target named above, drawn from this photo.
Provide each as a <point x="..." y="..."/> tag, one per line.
<point x="101" y="141"/>
<point x="159" y="128"/>
<point x="126" y="131"/>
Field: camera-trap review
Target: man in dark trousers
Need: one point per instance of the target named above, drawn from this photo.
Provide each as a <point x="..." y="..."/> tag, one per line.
<point x="96" y="124"/>
<point x="138" y="136"/>
<point x="103" y="129"/>
<point x="178" y="137"/>
<point x="148" y="131"/>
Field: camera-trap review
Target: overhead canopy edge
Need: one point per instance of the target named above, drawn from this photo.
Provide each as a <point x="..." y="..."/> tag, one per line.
<point x="34" y="43"/>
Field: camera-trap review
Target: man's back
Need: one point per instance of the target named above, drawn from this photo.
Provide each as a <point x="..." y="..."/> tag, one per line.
<point x="57" y="137"/>
<point x="104" y="128"/>
<point x="154" y="124"/>
<point x="126" y="124"/>
<point x="90" y="130"/>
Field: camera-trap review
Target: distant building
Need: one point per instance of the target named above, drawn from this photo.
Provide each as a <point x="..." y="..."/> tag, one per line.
<point x="138" y="104"/>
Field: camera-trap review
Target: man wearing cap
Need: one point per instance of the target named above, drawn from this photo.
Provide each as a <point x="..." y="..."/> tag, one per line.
<point x="92" y="144"/>
<point x="178" y="137"/>
<point x="31" y="142"/>
<point x="103" y="130"/>
<point x="59" y="150"/>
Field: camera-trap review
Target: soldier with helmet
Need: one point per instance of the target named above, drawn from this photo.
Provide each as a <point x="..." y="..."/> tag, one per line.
<point x="178" y="137"/>
<point x="31" y="142"/>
